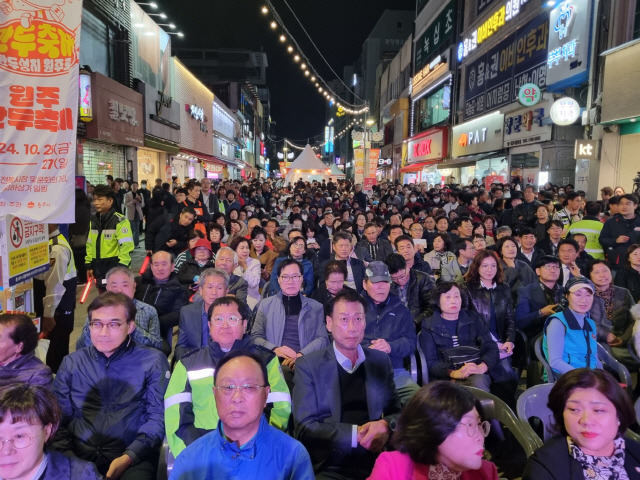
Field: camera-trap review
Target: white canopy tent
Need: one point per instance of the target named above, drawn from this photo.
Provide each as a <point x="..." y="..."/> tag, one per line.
<point x="307" y="167"/>
<point x="336" y="173"/>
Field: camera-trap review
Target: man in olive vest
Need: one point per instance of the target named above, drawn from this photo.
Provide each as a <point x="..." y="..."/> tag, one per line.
<point x="55" y="297"/>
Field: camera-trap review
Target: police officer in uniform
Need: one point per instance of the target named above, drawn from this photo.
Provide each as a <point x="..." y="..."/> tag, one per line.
<point x="110" y="241"/>
<point x="55" y="297"/>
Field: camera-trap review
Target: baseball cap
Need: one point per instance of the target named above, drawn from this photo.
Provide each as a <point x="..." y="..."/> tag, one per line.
<point x="576" y="283"/>
<point x="378" y="272"/>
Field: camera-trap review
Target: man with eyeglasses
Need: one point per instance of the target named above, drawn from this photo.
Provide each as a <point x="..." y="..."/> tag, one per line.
<point x="147" y="331"/>
<point x="411" y="286"/>
<point x="243" y="444"/>
<point x="193" y="326"/>
<point x="190" y="409"/>
<point x="549" y="245"/>
<point x="288" y="323"/>
<point x="111" y="395"/>
<point x="621" y="231"/>
<point x="345" y="403"/>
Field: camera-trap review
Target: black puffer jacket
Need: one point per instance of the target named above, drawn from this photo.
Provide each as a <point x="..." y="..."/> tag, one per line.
<point x="167" y="298"/>
<point x="172" y="230"/>
<point x="481" y="299"/>
<point x="418" y="295"/>
<point x="190" y="269"/>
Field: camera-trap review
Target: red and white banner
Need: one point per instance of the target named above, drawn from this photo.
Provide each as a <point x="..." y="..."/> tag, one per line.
<point x="39" y="45"/>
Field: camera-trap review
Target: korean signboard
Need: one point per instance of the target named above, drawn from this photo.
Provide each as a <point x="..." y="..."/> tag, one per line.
<point x="436" y="35"/>
<point x="162" y="114"/>
<point x="117" y="113"/>
<point x="24" y="248"/>
<point x="430" y="145"/>
<point x="358" y="159"/>
<point x="527" y="125"/>
<point x="568" y="58"/>
<point x="38" y="108"/>
<point x="503" y="13"/>
<point x="496" y="77"/>
<point x="481" y="135"/>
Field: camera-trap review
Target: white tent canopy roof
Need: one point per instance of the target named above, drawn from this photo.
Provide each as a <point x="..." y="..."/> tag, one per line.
<point x="307" y="167"/>
<point x="335" y="171"/>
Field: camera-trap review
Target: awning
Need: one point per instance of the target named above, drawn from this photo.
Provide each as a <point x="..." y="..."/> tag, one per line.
<point x="416" y="167"/>
<point x="468" y="160"/>
<point x="202" y="156"/>
<point x="161" y="144"/>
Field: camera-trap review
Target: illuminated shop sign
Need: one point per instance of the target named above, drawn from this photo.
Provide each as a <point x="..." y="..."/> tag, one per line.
<point x="494" y="79"/>
<point x="431" y="145"/>
<point x="505" y="13"/>
<point x="436" y="35"/>
<point x="527" y="125"/>
<point x="568" y="60"/>
<point x="480" y="135"/>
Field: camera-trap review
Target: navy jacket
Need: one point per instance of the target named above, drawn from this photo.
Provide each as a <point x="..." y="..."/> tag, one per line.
<point x="190" y="329"/>
<point x="391" y="321"/>
<point x="614" y="227"/>
<point x="112" y="405"/>
<point x="531" y="299"/>
<point x="60" y="466"/>
<point x="357" y="266"/>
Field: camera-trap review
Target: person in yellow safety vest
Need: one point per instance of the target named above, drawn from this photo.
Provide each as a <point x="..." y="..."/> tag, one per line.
<point x="590" y="226"/>
<point x="55" y="297"/>
<point x="110" y="241"/>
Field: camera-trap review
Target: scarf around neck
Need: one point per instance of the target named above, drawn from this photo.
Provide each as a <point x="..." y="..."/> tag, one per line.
<point x="607" y="296"/>
<point x="601" y="468"/>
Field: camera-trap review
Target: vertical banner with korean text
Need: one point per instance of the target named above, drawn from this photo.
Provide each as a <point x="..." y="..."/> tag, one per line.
<point x="358" y="159"/>
<point x="372" y="167"/>
<point x="39" y="48"/>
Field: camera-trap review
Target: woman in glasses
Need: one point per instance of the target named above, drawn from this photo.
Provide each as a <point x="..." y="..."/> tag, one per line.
<point x="440" y="435"/>
<point x="29" y="418"/>
<point x="591" y="414"/>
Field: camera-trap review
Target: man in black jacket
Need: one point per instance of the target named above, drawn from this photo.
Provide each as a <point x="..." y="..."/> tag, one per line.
<point x="171" y="236"/>
<point x="159" y="287"/>
<point x="621" y="231"/>
<point x="412" y="286"/>
<point x="360" y="197"/>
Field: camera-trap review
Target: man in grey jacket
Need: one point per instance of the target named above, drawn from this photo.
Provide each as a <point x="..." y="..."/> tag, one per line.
<point x="289" y="324"/>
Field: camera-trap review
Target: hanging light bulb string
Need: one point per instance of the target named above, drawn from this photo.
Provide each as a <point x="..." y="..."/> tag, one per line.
<point x="320" y="83"/>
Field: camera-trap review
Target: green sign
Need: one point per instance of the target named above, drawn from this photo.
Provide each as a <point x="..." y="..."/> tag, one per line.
<point x="436" y="35"/>
<point x="529" y="94"/>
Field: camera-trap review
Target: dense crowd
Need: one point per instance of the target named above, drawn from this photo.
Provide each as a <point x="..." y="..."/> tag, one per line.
<point x="298" y="310"/>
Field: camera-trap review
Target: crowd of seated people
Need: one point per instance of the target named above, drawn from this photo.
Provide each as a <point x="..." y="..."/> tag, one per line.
<point x="293" y="342"/>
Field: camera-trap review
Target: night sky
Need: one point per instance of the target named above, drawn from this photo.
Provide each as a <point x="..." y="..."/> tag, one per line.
<point x="338" y="27"/>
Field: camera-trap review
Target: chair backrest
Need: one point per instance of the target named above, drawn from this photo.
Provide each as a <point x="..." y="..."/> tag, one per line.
<point x="423" y="368"/>
<point x="551" y="376"/>
<point x="637" y="408"/>
<point x="623" y="374"/>
<point x="633" y="353"/>
<point x="494" y="408"/>
<point x="533" y="403"/>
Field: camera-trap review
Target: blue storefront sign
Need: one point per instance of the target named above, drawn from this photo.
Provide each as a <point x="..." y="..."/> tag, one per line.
<point x="494" y="79"/>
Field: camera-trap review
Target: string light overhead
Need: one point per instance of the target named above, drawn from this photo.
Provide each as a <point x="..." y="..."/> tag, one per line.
<point x="294" y="48"/>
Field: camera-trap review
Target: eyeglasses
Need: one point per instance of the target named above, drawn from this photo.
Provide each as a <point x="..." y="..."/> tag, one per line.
<point x="551" y="266"/>
<point x="401" y="276"/>
<point x="245" y="388"/>
<point x="98" y="326"/>
<point x="289" y="278"/>
<point x="232" y="321"/>
<point x="19" y="441"/>
<point x="473" y="428"/>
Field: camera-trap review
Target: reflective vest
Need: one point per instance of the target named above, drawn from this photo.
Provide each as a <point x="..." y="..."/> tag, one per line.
<point x="591" y="229"/>
<point x="109" y="243"/>
<point x="68" y="301"/>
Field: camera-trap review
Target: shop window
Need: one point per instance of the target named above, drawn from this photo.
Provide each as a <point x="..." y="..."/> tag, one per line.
<point x="434" y="109"/>
<point x="100" y="159"/>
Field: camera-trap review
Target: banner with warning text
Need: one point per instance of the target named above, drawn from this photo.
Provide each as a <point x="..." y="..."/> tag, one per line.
<point x="39" y="45"/>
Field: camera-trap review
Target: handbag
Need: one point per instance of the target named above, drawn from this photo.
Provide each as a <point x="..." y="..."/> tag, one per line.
<point x="458" y="356"/>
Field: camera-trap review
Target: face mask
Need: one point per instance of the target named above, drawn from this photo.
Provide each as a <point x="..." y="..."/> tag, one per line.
<point x="304" y="218"/>
<point x="413" y="199"/>
<point x="436" y="199"/>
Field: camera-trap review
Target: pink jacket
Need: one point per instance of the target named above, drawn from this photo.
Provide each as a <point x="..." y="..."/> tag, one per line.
<point x="398" y="466"/>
